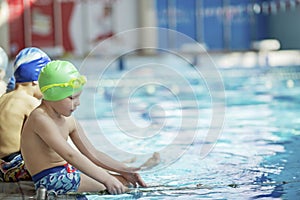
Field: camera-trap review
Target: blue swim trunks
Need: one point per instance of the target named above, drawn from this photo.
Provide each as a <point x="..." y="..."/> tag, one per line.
<point x="60" y="179"/>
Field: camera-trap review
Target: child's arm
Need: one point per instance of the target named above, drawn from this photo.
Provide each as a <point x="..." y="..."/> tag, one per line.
<point x="101" y="159"/>
<point x="53" y="137"/>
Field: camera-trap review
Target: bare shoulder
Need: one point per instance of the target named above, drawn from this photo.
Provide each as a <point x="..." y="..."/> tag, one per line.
<point x="28" y="100"/>
<point x="37" y="112"/>
<point x="16" y="106"/>
<point x="19" y="101"/>
<point x="38" y="117"/>
<point x="33" y="123"/>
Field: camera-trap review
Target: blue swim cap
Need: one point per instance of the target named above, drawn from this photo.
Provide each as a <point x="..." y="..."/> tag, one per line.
<point x="28" y="64"/>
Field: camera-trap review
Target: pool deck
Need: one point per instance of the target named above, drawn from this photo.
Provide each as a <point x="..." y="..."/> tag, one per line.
<point x="17" y="190"/>
<point x="23" y="190"/>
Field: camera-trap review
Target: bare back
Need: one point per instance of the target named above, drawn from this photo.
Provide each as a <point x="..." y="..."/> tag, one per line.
<point x="15" y="108"/>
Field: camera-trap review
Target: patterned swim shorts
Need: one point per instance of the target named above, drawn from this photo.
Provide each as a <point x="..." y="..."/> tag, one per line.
<point x="60" y="179"/>
<point x="13" y="169"/>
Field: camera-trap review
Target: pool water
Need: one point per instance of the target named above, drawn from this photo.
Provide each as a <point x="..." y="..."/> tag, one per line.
<point x="156" y="108"/>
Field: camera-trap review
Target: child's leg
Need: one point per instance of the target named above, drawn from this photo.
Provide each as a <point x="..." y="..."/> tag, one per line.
<point x="151" y="162"/>
<point x="88" y="184"/>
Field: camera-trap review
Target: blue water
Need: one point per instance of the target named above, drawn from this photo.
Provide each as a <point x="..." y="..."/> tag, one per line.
<point x="254" y="145"/>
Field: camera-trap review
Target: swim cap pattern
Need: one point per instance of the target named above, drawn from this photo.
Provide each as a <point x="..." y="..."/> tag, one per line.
<point x="3" y="59"/>
<point x="54" y="80"/>
<point x="28" y="64"/>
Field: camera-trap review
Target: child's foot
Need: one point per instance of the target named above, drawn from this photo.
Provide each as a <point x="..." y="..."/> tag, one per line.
<point x="151" y="162"/>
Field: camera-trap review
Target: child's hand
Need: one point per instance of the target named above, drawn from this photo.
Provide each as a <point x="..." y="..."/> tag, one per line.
<point x="133" y="177"/>
<point x="114" y="186"/>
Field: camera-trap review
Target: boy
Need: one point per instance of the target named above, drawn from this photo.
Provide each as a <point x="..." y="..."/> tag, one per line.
<point x="15" y="107"/>
<point x="47" y="154"/>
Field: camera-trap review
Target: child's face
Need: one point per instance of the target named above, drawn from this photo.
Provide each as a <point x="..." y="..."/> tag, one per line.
<point x="68" y="105"/>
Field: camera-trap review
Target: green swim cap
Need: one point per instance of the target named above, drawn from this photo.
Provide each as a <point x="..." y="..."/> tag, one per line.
<point x="59" y="80"/>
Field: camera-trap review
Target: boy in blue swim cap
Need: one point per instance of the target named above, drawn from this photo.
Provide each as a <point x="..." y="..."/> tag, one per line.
<point x="50" y="159"/>
<point x="15" y="108"/>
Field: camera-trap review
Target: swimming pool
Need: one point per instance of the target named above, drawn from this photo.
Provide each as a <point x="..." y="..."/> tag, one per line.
<point x="152" y="107"/>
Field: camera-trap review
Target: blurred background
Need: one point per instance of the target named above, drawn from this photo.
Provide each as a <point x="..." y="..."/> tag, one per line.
<point x="74" y="27"/>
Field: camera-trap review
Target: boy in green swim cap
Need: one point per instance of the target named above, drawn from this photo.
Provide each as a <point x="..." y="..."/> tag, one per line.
<point x="50" y="159"/>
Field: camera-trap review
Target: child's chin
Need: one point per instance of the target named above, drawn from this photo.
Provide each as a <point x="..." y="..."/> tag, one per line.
<point x="68" y="114"/>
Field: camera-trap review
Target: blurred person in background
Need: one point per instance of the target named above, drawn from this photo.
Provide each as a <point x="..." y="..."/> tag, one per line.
<point x="3" y="66"/>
